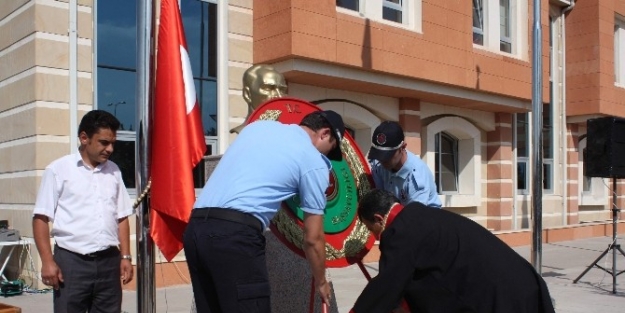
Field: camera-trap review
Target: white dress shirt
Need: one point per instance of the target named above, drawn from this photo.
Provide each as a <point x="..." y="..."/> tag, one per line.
<point x="84" y="203"/>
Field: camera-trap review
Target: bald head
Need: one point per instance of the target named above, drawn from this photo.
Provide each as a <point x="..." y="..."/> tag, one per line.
<point x="261" y="83"/>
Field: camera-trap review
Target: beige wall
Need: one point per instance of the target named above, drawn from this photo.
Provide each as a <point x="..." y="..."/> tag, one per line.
<point x="34" y="91"/>
<point x="34" y="96"/>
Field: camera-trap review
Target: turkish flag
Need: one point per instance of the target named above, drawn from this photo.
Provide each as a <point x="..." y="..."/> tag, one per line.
<point x="177" y="138"/>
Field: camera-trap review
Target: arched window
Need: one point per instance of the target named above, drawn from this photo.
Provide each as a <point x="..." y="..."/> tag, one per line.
<point x="446" y="166"/>
<point x="453" y="151"/>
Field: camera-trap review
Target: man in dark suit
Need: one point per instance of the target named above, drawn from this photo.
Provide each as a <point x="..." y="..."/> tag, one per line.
<point x="439" y="261"/>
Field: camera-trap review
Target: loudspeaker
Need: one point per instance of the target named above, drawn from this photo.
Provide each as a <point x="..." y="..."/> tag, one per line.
<point x="605" y="148"/>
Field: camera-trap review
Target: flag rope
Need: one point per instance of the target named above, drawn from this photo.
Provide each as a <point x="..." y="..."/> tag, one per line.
<point x="143" y="194"/>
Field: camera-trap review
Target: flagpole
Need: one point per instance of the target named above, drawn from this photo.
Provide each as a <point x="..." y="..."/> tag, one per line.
<point x="145" y="245"/>
<point x="537" y="157"/>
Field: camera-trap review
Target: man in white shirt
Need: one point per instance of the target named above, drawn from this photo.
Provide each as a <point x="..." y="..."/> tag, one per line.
<point x="84" y="196"/>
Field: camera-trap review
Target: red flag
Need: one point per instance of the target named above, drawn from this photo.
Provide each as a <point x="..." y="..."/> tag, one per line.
<point x="177" y="141"/>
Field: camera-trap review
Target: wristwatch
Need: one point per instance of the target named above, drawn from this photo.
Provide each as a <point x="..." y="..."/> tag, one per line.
<point x="127" y="257"/>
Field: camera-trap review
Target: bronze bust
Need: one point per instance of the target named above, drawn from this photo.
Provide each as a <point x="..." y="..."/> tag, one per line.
<point x="261" y="83"/>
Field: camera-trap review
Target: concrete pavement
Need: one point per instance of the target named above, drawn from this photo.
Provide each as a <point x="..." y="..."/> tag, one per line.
<point x="562" y="263"/>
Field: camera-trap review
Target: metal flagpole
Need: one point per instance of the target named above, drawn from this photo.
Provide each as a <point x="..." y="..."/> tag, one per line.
<point x="145" y="245"/>
<point x="537" y="126"/>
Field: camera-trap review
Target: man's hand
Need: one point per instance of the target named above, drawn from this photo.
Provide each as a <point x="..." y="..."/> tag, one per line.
<point x="314" y="248"/>
<point x="51" y="274"/>
<point x="323" y="289"/>
<point x="126" y="271"/>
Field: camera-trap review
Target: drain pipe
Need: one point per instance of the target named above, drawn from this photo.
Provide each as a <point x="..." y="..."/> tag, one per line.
<point x="569" y="8"/>
<point x="565" y="194"/>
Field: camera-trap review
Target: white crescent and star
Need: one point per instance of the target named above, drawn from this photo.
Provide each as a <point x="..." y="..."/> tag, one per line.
<point x="187" y="76"/>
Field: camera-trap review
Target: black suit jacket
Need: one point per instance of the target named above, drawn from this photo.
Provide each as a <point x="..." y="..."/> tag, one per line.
<point x="443" y="262"/>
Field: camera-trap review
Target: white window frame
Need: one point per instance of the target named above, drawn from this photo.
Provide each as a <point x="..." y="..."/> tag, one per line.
<point x="372" y="9"/>
<point x="469" y="159"/>
<point x="597" y="195"/>
<point x="491" y="31"/>
<point x="619" y="51"/>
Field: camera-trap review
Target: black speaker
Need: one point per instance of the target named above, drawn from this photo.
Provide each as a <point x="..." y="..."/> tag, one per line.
<point x="605" y="148"/>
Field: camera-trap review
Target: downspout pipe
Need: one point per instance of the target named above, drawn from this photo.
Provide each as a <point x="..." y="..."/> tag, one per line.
<point x="569" y="8"/>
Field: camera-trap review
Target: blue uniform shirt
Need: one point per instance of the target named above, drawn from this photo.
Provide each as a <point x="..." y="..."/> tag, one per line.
<point x="413" y="182"/>
<point x="269" y="162"/>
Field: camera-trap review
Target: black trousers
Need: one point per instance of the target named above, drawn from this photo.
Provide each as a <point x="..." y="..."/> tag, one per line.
<point x="227" y="266"/>
<point x="90" y="283"/>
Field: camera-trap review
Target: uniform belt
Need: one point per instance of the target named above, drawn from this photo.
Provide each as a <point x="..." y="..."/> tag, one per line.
<point x="94" y="255"/>
<point x="228" y="215"/>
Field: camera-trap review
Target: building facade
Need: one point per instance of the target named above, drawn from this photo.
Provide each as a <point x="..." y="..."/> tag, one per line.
<point x="456" y="74"/>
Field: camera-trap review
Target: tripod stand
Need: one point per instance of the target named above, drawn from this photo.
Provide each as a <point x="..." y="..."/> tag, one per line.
<point x="614" y="246"/>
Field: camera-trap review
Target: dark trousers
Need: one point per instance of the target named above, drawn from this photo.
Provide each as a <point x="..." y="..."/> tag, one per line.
<point x="90" y="283"/>
<point x="227" y="266"/>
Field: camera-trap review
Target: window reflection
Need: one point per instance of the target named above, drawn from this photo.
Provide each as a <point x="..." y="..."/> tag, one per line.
<point x="124" y="156"/>
<point x="116" y="94"/>
<point x="478" y="22"/>
<point x="116" y="71"/>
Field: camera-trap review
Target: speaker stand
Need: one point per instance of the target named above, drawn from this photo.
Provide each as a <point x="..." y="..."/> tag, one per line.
<point x="614" y="246"/>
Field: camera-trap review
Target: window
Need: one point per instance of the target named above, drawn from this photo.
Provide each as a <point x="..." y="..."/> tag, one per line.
<point x="547" y="147"/>
<point x="353" y="5"/>
<point x="124" y="156"/>
<point x="501" y="25"/>
<point x="548" y="112"/>
<point x="522" y="152"/>
<point x="395" y="12"/>
<point x="116" y="71"/>
<point x="453" y="153"/>
<point x="392" y="10"/>
<point x="505" y="43"/>
<point x="446" y="166"/>
<point x="619" y="51"/>
<point x="478" y="22"/>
